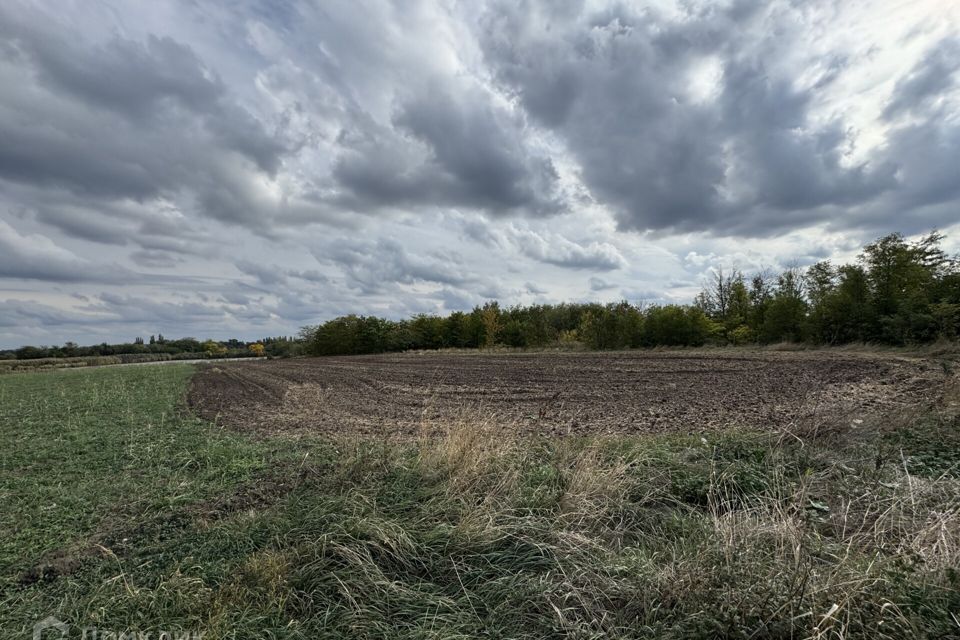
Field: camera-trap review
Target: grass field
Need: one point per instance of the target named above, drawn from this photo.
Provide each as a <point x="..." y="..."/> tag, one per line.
<point x="120" y="511"/>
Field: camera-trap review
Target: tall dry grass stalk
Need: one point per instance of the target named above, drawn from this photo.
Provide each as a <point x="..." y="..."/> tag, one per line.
<point x="472" y="451"/>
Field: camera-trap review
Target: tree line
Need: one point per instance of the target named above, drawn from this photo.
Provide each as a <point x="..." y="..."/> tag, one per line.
<point x="186" y="348"/>
<point x="897" y="292"/>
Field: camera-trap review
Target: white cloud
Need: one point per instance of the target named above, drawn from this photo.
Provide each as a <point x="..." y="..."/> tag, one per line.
<point x="218" y="169"/>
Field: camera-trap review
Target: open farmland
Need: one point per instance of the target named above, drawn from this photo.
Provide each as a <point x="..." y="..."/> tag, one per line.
<point x="702" y="520"/>
<point x="563" y="393"/>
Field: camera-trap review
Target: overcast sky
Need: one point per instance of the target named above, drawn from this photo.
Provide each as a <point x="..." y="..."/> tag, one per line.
<point x="184" y="168"/>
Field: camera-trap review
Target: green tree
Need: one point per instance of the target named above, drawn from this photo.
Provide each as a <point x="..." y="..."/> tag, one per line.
<point x="786" y="313"/>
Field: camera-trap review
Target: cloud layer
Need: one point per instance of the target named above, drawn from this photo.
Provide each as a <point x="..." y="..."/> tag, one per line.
<point x="187" y="168"/>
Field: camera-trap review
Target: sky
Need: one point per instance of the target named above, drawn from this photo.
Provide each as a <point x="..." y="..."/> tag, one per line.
<point x="244" y="169"/>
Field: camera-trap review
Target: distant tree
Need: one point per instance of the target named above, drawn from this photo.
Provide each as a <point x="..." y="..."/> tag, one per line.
<point x="490" y="317"/>
<point x="213" y="349"/>
<point x="786" y="313"/>
<point x="428" y="331"/>
<point x="675" y="325"/>
<point x="32" y="353"/>
<point x="257" y="350"/>
<point x="714" y="299"/>
<point x="726" y="300"/>
<point x="761" y="293"/>
<point x="536" y="328"/>
<point x="511" y="331"/>
<point x="455" y="332"/>
<point x="614" y="326"/>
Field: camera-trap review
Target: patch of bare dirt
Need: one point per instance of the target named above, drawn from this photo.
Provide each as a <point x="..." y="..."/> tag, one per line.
<point x="58" y="563"/>
<point x="562" y="393"/>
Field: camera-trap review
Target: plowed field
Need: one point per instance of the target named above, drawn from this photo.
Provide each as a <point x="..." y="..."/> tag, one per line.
<point x="562" y="393"/>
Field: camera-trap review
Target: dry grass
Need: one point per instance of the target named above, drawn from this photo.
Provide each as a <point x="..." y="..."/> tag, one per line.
<point x="474" y="530"/>
<point x="801" y="537"/>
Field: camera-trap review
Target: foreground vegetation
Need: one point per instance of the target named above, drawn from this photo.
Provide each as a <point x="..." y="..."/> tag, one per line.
<point x="897" y="293"/>
<point x="122" y="513"/>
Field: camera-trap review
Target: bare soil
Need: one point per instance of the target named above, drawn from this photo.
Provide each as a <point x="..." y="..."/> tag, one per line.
<point x="401" y="395"/>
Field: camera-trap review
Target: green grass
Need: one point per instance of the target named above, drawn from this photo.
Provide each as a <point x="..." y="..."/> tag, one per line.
<point x="475" y="533"/>
<point x="86" y="453"/>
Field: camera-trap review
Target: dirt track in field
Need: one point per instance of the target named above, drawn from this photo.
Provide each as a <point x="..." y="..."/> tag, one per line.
<point x="561" y="393"/>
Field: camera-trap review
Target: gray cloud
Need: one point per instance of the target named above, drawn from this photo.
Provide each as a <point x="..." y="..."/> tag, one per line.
<point x="266" y="274"/>
<point x="34" y="257"/>
<point x="534" y="288"/>
<point x="136" y="309"/>
<point x="19" y="313"/>
<point x="559" y="251"/>
<point x="126" y="120"/>
<point x="84" y="224"/>
<point x="544" y="246"/>
<point x="272" y="274"/>
<point x="932" y="76"/>
<point x="616" y="84"/>
<point x="232" y="297"/>
<point x="446" y="148"/>
<point x="928" y="172"/>
<point x="374" y="267"/>
<point x="155" y="259"/>
<point x="599" y="284"/>
<point x="431" y="156"/>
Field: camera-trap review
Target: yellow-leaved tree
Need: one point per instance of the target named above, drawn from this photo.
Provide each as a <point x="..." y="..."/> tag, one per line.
<point x="214" y="349"/>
